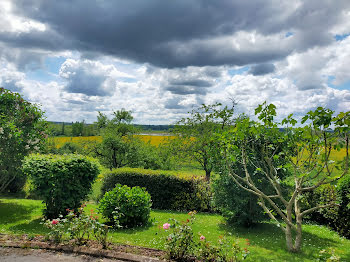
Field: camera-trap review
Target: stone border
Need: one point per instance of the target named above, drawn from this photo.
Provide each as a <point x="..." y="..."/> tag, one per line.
<point x="79" y="250"/>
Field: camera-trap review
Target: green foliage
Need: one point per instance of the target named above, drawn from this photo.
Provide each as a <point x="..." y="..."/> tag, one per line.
<point x="323" y="195"/>
<point x="116" y="151"/>
<point x="126" y="207"/>
<point x="77" y="226"/>
<point x="120" y="122"/>
<point x="168" y="189"/>
<point x="22" y="131"/>
<point x="336" y="216"/>
<point x="61" y="181"/>
<point x="296" y="158"/>
<point x="78" y="128"/>
<point x="180" y="244"/>
<point x="118" y="148"/>
<point x="20" y="216"/>
<point x="225" y="250"/>
<point x="195" y="134"/>
<point x="70" y="148"/>
<point x="343" y="215"/>
<point x="238" y="206"/>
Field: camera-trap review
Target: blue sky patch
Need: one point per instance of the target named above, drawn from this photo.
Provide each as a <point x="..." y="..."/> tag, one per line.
<point x="238" y="71"/>
<point x="341" y="37"/>
<point x="344" y="86"/>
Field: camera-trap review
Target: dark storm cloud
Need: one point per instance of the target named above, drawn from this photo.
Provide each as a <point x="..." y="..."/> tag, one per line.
<point x="262" y="69"/>
<point x="173" y="103"/>
<point x="188" y="86"/>
<point x="196" y="82"/>
<point x="176" y="33"/>
<point x="186" y="90"/>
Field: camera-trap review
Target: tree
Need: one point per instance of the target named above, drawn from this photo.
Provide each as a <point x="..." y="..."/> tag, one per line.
<point x="118" y="147"/>
<point x="306" y="151"/>
<point x="195" y="133"/>
<point x="78" y="128"/>
<point x="22" y="130"/>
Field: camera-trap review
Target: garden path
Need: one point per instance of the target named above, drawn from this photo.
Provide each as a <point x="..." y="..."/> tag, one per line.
<point x="39" y="255"/>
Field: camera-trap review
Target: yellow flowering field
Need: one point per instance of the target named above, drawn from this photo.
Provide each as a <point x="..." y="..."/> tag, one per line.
<point x="60" y="141"/>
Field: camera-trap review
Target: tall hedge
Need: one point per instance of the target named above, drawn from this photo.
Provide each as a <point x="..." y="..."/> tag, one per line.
<point x="169" y="190"/>
<point x="337" y="216"/>
<point x="62" y="181"/>
<point x="343" y="216"/>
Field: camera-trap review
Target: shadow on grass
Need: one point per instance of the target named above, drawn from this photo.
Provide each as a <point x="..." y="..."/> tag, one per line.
<point x="270" y="237"/>
<point x="13" y="212"/>
<point x="32" y="227"/>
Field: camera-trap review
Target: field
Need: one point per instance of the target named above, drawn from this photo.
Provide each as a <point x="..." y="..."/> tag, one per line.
<point x="23" y="216"/>
<point x="154" y="140"/>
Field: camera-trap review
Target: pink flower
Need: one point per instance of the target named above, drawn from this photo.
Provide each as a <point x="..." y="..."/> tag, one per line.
<point x="202" y="238"/>
<point x="166" y="226"/>
<point x="54" y="222"/>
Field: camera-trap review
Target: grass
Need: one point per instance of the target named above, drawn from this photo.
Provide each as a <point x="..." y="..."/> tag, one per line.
<point x="23" y="216"/>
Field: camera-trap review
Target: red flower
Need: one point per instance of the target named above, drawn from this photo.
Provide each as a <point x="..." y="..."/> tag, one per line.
<point x="54" y="222"/>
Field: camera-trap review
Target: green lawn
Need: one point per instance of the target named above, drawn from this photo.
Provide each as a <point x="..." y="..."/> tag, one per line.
<point x="23" y="216"/>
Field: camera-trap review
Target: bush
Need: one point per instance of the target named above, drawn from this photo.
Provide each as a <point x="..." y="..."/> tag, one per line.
<point x="63" y="182"/>
<point x="236" y="205"/>
<point x="78" y="227"/>
<point x="338" y="216"/>
<point x="126" y="207"/>
<point x="70" y="148"/>
<point x="180" y="244"/>
<point x="324" y="194"/>
<point x="168" y="189"/>
<point x="343" y="216"/>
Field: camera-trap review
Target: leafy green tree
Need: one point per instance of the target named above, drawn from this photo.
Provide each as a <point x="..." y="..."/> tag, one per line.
<point x="195" y="134"/>
<point x="78" y="128"/>
<point x="306" y="151"/>
<point x="22" y="131"/>
<point x="118" y="148"/>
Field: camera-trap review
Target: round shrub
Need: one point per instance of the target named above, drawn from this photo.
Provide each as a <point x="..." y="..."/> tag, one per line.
<point x="126" y="207"/>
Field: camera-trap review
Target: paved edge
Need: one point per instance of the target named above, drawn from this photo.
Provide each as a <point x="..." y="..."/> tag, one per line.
<point x="80" y="250"/>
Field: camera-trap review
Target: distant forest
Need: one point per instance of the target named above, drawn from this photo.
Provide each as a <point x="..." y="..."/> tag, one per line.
<point x="84" y="129"/>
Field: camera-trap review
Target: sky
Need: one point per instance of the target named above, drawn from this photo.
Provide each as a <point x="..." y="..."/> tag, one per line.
<point x="161" y="59"/>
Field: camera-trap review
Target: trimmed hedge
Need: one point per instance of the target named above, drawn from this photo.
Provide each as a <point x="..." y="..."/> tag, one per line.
<point x="170" y="190"/>
<point x="62" y="181"/>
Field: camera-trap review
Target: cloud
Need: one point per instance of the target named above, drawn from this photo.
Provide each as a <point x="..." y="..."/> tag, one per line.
<point x="11" y="79"/>
<point x="91" y="78"/>
<point x="181" y="33"/>
<point x="262" y="69"/>
<point x="249" y="91"/>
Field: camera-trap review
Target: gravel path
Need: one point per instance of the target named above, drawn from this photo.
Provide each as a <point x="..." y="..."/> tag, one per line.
<point x="38" y="255"/>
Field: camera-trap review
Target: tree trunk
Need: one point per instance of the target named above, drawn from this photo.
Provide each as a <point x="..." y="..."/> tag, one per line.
<point x="289" y="238"/>
<point x="207" y="175"/>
